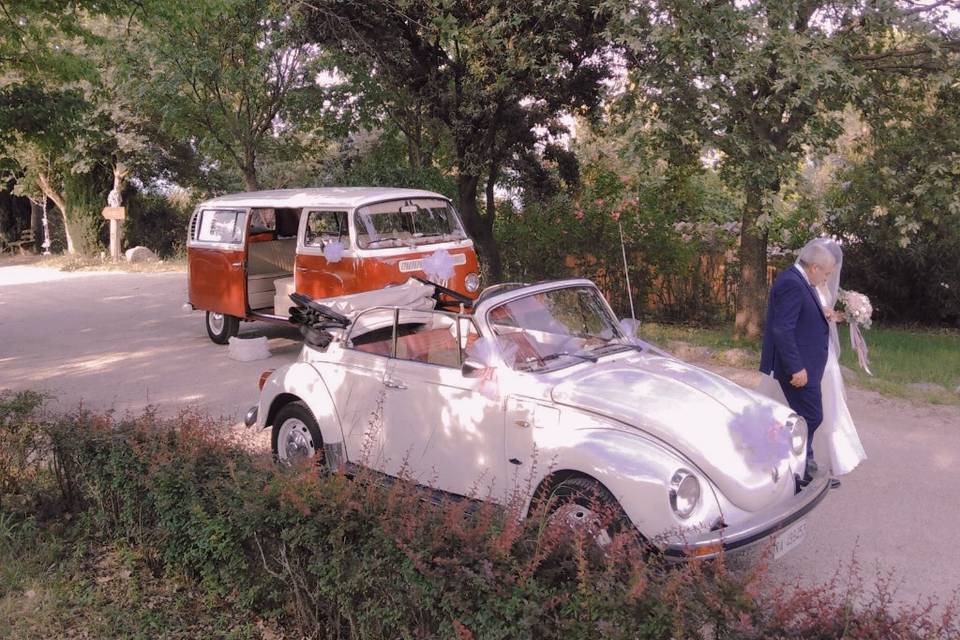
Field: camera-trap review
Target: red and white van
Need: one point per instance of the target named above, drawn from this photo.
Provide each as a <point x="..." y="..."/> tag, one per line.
<point x="248" y="252"/>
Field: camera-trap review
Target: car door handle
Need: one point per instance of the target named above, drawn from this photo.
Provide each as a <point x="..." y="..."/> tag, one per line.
<point x="236" y="265"/>
<point x="394" y="384"/>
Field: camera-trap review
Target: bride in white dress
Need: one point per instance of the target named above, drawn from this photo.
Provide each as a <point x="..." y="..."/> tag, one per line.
<point x="836" y="441"/>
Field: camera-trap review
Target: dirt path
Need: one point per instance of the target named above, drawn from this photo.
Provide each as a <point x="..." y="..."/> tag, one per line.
<point x="123" y="341"/>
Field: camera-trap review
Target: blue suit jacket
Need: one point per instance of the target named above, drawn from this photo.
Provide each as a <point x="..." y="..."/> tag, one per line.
<point x="796" y="335"/>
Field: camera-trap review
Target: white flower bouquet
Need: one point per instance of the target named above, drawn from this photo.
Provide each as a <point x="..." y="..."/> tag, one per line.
<point x="856" y="308"/>
<point x="858" y="311"/>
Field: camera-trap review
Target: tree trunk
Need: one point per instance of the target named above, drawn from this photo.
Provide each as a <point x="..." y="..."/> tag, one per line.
<point x="496" y="266"/>
<point x="752" y="290"/>
<point x="36" y="223"/>
<point x="477" y="227"/>
<point x="51" y="193"/>
<point x="249" y="169"/>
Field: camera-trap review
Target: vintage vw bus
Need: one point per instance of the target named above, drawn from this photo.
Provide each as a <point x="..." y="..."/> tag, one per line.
<point x="248" y="252"/>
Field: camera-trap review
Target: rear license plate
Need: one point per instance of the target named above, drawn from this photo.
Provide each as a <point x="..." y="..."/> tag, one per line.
<point x="789" y="538"/>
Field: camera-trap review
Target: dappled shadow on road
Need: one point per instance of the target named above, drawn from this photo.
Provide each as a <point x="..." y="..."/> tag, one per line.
<point x="124" y="341"/>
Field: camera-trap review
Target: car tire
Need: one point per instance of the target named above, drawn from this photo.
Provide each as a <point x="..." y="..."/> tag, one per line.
<point x="296" y="436"/>
<point x="583" y="504"/>
<point x="221" y="327"/>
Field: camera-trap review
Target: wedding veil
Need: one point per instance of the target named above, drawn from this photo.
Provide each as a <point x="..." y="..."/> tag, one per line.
<point x="832" y="284"/>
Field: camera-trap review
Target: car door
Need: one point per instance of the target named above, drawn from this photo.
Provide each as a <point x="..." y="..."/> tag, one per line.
<point x="441" y="429"/>
<point x="216" y="261"/>
<point x="356" y="384"/>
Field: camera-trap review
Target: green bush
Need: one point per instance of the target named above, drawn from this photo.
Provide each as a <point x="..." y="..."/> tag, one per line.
<point x="327" y="556"/>
<point x="155" y="222"/>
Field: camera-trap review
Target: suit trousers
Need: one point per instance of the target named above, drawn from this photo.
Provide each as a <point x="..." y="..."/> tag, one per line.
<point x="808" y="403"/>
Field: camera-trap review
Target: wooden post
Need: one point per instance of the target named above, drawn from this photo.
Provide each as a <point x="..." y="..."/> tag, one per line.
<point x="115" y="215"/>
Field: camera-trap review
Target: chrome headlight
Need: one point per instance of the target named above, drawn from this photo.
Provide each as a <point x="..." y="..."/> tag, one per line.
<point x="684" y="493"/>
<point x="798" y="433"/>
<point x="471" y="282"/>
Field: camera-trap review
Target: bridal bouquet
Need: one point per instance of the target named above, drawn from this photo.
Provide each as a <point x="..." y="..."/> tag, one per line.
<point x="858" y="311"/>
<point x="856" y="308"/>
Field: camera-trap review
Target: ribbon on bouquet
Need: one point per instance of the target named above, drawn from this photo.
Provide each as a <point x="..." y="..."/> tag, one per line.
<point x="860" y="347"/>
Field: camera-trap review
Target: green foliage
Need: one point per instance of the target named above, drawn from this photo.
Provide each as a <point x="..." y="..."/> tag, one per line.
<point x="382" y="161"/>
<point x="86" y="195"/>
<point x="233" y="76"/>
<point x="497" y="76"/>
<point x="679" y="233"/>
<point x="764" y="84"/>
<point x="898" y="210"/>
<point x="157" y="222"/>
<point x="328" y="556"/>
<point x="22" y="441"/>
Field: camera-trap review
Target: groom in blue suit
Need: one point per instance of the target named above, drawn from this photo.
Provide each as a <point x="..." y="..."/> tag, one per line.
<point x="796" y="338"/>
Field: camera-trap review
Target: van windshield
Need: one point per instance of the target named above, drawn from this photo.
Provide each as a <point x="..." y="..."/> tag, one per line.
<point x="407" y="223"/>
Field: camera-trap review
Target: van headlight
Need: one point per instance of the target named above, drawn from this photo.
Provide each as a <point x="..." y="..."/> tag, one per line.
<point x="471" y="282"/>
<point x="798" y="434"/>
<point x="684" y="493"/>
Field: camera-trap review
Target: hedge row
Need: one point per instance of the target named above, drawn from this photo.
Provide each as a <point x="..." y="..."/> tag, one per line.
<point x="332" y="557"/>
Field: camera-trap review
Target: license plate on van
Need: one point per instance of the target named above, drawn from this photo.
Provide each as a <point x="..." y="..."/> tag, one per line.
<point x="789" y="538"/>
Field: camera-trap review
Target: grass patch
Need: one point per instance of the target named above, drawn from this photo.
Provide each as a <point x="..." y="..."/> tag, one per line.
<point x="93" y="263"/>
<point x="53" y="586"/>
<point x="907" y="362"/>
<point x="96" y="263"/>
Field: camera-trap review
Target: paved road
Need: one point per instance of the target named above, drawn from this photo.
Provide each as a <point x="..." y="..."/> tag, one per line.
<point x="122" y="341"/>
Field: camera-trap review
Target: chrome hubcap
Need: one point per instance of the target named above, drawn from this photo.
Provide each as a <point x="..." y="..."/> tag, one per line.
<point x="216" y="321"/>
<point x="294" y="442"/>
<point x="580" y="518"/>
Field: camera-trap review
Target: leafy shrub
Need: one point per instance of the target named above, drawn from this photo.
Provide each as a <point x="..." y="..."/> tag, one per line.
<point x="331" y="557"/>
<point x="156" y="222"/>
<point x="22" y="443"/>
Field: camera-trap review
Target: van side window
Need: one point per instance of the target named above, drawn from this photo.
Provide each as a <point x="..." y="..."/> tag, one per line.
<point x="326" y="226"/>
<point x="221" y="226"/>
<point x="263" y="221"/>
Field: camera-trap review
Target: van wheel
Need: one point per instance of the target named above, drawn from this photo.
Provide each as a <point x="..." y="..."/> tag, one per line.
<point x="221" y="327"/>
<point x="296" y="435"/>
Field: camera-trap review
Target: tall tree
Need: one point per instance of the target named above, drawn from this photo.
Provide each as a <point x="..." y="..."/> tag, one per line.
<point x="225" y="75"/>
<point x="764" y="81"/>
<point x="496" y="73"/>
<point x="50" y="126"/>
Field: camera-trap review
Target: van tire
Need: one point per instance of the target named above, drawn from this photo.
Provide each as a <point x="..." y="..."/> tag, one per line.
<point x="221" y="327"/>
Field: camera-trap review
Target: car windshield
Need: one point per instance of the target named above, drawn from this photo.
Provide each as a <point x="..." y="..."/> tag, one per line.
<point x="554" y="328"/>
<point x="407" y="223"/>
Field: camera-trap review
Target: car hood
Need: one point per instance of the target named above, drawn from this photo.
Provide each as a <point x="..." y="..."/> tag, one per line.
<point x="735" y="436"/>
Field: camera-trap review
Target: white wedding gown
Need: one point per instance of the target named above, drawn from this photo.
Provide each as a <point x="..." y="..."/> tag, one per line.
<point x="835" y="441"/>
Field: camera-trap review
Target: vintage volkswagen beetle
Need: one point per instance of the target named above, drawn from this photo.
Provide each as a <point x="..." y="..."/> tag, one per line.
<point x="541" y="387"/>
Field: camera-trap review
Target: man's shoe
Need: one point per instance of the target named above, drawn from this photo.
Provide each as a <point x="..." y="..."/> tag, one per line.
<point x="834" y="483"/>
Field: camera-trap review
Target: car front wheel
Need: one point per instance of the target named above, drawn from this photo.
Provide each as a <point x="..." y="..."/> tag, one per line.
<point x="585" y="505"/>
<point x="296" y="435"/>
<point x="221" y="327"/>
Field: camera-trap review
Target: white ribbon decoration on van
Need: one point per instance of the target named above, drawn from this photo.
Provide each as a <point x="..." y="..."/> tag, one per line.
<point x="333" y="251"/>
<point x="439" y="266"/>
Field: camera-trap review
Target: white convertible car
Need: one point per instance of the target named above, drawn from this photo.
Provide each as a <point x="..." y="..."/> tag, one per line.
<point x="538" y="389"/>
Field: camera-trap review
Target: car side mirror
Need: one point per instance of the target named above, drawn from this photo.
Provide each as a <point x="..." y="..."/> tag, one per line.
<point x="472" y="368"/>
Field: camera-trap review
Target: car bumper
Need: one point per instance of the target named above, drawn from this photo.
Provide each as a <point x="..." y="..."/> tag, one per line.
<point x="756" y="530"/>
